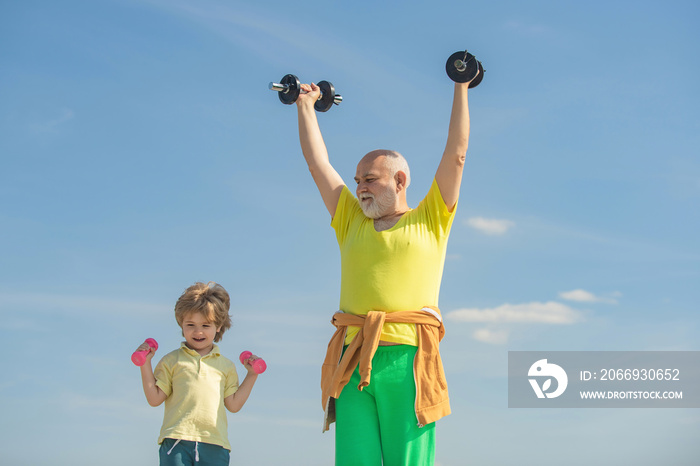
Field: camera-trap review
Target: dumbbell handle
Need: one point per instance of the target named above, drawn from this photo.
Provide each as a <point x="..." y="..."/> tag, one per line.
<point x="139" y="357"/>
<point x="283" y="88"/>
<point x="461" y="65"/>
<point x="259" y="365"/>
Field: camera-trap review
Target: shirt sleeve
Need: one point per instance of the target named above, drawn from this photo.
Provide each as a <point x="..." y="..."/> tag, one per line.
<point x="436" y="211"/>
<point x="231" y="383"/>
<point x="164" y="377"/>
<point x="345" y="211"/>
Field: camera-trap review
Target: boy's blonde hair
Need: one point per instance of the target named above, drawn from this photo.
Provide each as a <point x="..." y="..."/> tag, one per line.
<point x="209" y="299"/>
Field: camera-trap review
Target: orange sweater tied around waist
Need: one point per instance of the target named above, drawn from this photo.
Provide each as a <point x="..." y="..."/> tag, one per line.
<point x="432" y="401"/>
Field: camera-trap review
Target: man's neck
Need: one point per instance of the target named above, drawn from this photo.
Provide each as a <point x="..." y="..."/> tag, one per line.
<point x="388" y="221"/>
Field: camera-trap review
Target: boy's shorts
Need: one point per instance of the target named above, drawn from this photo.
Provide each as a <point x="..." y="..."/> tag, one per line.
<point x="186" y="453"/>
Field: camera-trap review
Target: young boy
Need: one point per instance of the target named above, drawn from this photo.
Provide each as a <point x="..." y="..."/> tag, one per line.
<point x="196" y="382"/>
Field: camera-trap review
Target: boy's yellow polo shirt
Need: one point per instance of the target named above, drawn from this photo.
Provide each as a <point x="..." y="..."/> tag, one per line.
<point x="196" y="387"/>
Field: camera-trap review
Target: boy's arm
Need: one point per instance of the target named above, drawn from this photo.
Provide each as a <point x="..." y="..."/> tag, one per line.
<point x="327" y="179"/>
<point x="235" y="402"/>
<point x="449" y="172"/>
<point x="154" y="395"/>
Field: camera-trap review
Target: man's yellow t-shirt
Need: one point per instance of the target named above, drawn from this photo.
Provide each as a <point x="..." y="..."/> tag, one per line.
<point x="399" y="269"/>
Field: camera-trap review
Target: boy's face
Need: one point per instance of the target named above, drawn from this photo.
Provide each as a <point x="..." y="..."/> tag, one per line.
<point x="199" y="332"/>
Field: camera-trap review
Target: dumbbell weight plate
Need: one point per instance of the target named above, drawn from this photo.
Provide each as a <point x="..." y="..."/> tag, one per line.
<point x="470" y="71"/>
<point x="327" y="96"/>
<point x="290" y="96"/>
<point x="479" y="77"/>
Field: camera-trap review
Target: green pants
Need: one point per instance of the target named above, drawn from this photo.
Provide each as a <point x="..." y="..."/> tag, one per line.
<point x="378" y="425"/>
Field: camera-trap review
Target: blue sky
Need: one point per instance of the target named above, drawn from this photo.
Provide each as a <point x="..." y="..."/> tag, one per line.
<point x="142" y="151"/>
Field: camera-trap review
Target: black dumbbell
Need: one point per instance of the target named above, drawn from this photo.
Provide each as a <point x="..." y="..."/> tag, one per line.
<point x="462" y="67"/>
<point x="289" y="89"/>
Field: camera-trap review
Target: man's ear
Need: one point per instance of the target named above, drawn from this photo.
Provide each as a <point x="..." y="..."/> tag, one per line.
<point x="400" y="179"/>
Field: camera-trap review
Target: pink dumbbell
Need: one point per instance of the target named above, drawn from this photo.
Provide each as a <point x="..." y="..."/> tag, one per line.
<point x="259" y="365"/>
<point x="139" y="357"/>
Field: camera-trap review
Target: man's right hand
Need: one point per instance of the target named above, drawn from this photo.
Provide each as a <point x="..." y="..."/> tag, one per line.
<point x="309" y="94"/>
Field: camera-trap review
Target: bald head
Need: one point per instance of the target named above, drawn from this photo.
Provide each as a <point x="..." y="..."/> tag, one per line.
<point x="394" y="162"/>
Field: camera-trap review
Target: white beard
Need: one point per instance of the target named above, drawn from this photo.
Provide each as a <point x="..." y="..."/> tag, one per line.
<point x="381" y="205"/>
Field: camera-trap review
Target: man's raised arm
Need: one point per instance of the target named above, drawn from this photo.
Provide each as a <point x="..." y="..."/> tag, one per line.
<point x="327" y="179"/>
<point x="449" y="172"/>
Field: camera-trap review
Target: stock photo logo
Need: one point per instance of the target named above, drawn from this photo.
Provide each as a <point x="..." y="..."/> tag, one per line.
<point x="544" y="371"/>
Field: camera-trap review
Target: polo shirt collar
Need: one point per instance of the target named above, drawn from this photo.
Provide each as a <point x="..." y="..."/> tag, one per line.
<point x="214" y="351"/>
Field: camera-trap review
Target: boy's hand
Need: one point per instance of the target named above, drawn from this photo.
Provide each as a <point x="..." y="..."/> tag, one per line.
<point x="146" y="347"/>
<point x="248" y="363"/>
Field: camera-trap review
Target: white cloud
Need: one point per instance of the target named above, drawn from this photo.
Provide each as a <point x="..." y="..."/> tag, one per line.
<point x="535" y="312"/>
<point x="578" y="295"/>
<point x="490" y="226"/>
<point x="494" y="337"/>
<point x="583" y="296"/>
